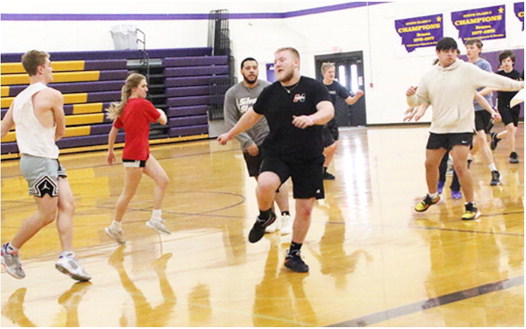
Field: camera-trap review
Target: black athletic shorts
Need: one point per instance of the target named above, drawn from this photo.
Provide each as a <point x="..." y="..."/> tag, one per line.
<point x="510" y="115"/>
<point x="307" y="176"/>
<point x="447" y="141"/>
<point x="330" y="133"/>
<point x="482" y="120"/>
<point x="253" y="163"/>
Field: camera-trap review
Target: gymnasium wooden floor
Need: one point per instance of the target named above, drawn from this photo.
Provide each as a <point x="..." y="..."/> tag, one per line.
<point x="373" y="260"/>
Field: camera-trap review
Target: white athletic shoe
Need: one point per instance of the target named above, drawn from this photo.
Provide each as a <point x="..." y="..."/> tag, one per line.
<point x="286" y="224"/>
<point x="158" y="225"/>
<point x="69" y="265"/>
<point x="272" y="227"/>
<point x="115" y="235"/>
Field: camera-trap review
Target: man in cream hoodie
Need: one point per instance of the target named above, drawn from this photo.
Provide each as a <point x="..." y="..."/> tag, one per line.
<point x="449" y="88"/>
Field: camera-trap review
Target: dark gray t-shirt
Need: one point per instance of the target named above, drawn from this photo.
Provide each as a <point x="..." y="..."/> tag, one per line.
<point x="238" y="100"/>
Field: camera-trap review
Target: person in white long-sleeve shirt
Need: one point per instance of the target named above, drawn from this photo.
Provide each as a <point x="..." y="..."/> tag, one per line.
<point x="449" y="88"/>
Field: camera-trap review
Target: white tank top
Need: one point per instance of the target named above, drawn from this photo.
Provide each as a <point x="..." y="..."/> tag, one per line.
<point x="32" y="138"/>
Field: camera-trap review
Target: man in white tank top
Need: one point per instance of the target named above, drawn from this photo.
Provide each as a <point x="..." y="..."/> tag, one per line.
<point x="38" y="115"/>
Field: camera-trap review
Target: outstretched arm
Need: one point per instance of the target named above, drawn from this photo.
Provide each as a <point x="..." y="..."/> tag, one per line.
<point x="247" y="121"/>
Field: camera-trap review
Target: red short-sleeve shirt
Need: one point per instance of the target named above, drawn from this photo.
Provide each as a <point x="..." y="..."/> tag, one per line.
<point x="135" y="119"/>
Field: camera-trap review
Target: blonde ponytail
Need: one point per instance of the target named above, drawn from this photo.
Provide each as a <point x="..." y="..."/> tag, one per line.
<point x="115" y="109"/>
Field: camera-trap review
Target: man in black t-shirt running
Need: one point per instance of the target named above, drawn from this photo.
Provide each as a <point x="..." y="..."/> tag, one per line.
<point x="296" y="108"/>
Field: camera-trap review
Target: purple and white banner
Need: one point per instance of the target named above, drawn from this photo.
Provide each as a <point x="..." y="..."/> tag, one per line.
<point x="519" y="12"/>
<point x="480" y="23"/>
<point x="416" y="32"/>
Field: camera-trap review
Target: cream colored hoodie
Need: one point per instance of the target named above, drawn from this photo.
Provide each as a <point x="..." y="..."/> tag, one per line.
<point x="450" y="92"/>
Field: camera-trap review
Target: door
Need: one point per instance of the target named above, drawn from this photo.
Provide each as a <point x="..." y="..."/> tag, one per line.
<point x="349" y="73"/>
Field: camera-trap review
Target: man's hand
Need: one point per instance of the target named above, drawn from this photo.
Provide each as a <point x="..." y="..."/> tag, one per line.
<point x="224" y="138"/>
<point x="303" y="121"/>
<point x="253" y="150"/>
<point x="359" y="93"/>
<point x="496" y="116"/>
<point x="411" y="91"/>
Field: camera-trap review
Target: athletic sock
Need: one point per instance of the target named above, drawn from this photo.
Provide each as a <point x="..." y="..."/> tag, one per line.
<point x="433" y="195"/>
<point x="264" y="214"/>
<point x="10" y="248"/>
<point x="294" y="247"/>
<point x="493" y="167"/>
<point x="116" y="225"/>
<point x="156" y="214"/>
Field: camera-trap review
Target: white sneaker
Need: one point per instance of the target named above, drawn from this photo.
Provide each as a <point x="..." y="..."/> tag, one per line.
<point x="69" y="265"/>
<point x="158" y="225"/>
<point x="286" y="224"/>
<point x="115" y="235"/>
<point x="272" y="227"/>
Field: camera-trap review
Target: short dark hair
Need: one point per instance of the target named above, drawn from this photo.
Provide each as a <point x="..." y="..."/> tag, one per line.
<point x="505" y="54"/>
<point x="246" y="60"/>
<point x="446" y="43"/>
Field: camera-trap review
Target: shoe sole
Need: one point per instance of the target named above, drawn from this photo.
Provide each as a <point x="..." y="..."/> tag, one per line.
<point x="156" y="229"/>
<point x="77" y="277"/>
<point x="295" y="270"/>
<point x="106" y="230"/>
<point x="429" y="205"/>
<point x="8" y="270"/>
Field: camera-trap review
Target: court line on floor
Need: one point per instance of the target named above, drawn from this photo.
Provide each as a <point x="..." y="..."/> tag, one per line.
<point x="404" y="310"/>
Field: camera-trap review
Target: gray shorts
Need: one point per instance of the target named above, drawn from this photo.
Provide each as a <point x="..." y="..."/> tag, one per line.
<point x="41" y="174"/>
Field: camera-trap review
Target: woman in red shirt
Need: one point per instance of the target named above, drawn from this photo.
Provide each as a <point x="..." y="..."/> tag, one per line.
<point x="134" y="113"/>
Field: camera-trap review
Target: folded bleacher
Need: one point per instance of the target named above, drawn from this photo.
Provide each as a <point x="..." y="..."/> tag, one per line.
<point x="179" y="82"/>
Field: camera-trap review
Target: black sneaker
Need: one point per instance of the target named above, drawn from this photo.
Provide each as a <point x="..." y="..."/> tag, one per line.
<point x="514" y="158"/>
<point x="494" y="141"/>
<point x="295" y="263"/>
<point x="495" y="178"/>
<point x="258" y="230"/>
<point x="328" y="176"/>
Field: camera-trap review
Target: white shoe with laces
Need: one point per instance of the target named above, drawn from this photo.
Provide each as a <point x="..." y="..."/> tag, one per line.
<point x="158" y="225"/>
<point x="68" y="264"/>
<point x="272" y="227"/>
<point x="115" y="235"/>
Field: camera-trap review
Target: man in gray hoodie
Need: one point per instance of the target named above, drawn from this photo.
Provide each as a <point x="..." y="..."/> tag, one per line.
<point x="238" y="100"/>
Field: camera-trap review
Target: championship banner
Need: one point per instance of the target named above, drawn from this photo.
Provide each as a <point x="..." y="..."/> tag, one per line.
<point x="480" y="23"/>
<point x="519" y="12"/>
<point x="417" y="32"/>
